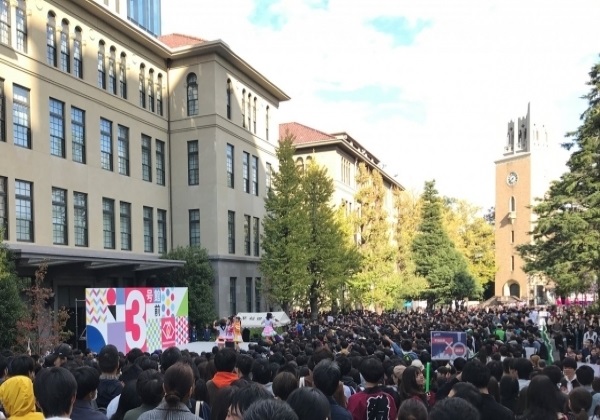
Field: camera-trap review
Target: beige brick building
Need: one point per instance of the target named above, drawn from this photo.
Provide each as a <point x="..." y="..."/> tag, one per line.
<point x="117" y="146"/>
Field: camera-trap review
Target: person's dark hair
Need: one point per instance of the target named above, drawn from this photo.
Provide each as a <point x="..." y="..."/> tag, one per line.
<point x="145" y="362"/>
<point x="554" y="373"/>
<point x="130" y="373"/>
<point x="269" y="315"/>
<point x="452" y="409"/>
<point x="409" y="386"/>
<point x="467" y="391"/>
<point x="344" y="364"/>
<point x="21" y="365"/>
<point x="326" y="377"/>
<point x="261" y="372"/>
<point x="169" y="357"/>
<point x="128" y="400"/>
<point x="244" y="364"/>
<point x="542" y="399"/>
<point x="309" y="404"/>
<point x="225" y="360"/>
<point x="496" y="369"/>
<point x="284" y="384"/>
<point x="476" y="373"/>
<point x="523" y="368"/>
<point x="108" y="359"/>
<point x="87" y="379"/>
<point x="412" y="409"/>
<point x="580" y="401"/>
<point x="245" y="396"/>
<point x="569" y="362"/>
<point x="371" y="369"/>
<point x="178" y="382"/>
<point x="406" y="345"/>
<point x="200" y="390"/>
<point x="221" y="402"/>
<point x="585" y="375"/>
<point x="459" y="363"/>
<point x="150" y="387"/>
<point x="133" y="355"/>
<point x="54" y="390"/>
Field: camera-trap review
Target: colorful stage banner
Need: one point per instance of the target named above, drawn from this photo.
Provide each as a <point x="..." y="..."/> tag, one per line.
<point x="144" y="317"/>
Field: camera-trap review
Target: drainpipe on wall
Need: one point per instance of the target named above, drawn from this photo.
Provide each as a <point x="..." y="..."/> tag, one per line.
<point x="170" y="155"/>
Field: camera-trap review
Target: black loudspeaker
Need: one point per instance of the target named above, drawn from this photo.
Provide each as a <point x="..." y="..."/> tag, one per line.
<point x="230" y="344"/>
<point x="246" y="335"/>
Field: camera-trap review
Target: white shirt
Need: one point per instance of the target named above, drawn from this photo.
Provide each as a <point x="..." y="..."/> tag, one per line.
<point x="112" y="406"/>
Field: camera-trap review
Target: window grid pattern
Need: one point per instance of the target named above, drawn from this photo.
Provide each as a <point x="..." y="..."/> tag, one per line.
<point x="57" y="128"/>
<point x="243" y="109"/>
<point x="192" y="95"/>
<point x="346" y="171"/>
<point x="142" y="92"/>
<point x="123" y="77"/>
<point x="267" y="123"/>
<point x="80" y="222"/>
<point x="24" y="210"/>
<point x="194" y="227"/>
<point x="123" y="150"/>
<point x="268" y="173"/>
<point x="229" y="91"/>
<point x="78" y="134"/>
<point x="256" y="236"/>
<point x="249" y="113"/>
<point x="65" y="51"/>
<point x="4" y="207"/>
<point x="101" y="69"/>
<point x="106" y="146"/>
<point x="257" y="290"/>
<point x="5" y="22"/>
<point x="231" y="232"/>
<point x="249" y="294"/>
<point x="247" y="234"/>
<point x="230" y="178"/>
<point x="59" y="216"/>
<point x="2" y="112"/>
<point x="146" y="158"/>
<point x="77" y="57"/>
<point x="148" y="229"/>
<point x="159" y="99"/>
<point x="193" y="163"/>
<point x="254" y="116"/>
<point x="161" y="230"/>
<point x="160" y="162"/>
<point x="246" y="171"/>
<point x="50" y="44"/>
<point x="21" y="119"/>
<point x="112" y="74"/>
<point x="125" y="224"/>
<point x="255" y="175"/>
<point x="21" y="27"/>
<point x="151" y="93"/>
<point x="108" y="223"/>
<point x="233" y="295"/>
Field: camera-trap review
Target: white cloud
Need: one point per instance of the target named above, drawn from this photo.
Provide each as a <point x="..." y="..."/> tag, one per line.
<point x="475" y="67"/>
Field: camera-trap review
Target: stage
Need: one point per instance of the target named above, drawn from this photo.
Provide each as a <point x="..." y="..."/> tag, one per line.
<point x="205" y="346"/>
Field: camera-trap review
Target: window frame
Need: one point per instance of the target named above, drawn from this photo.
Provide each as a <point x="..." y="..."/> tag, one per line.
<point x="24" y="107"/>
<point x="230" y="165"/>
<point x="161" y="230"/>
<point x="80" y="214"/>
<point x="192" y="94"/>
<point x="125" y="225"/>
<point x="4" y="207"/>
<point x="146" y="158"/>
<point x="51" y="49"/>
<point x="5" y="22"/>
<point x="57" y="128"/>
<point x="106" y="138"/>
<point x="231" y="232"/>
<point x="148" y="221"/>
<point x="160" y="162"/>
<point x="65" y="48"/>
<point x="60" y="205"/>
<point x="21" y="26"/>
<point x="24" y="201"/>
<point x="108" y="223"/>
<point x="256" y="236"/>
<point x="78" y="131"/>
<point x="246" y="172"/>
<point x="193" y="162"/>
<point x="101" y="66"/>
<point x="254" y="168"/>
<point x="123" y="155"/>
<point x="194" y="227"/>
<point x="247" y="235"/>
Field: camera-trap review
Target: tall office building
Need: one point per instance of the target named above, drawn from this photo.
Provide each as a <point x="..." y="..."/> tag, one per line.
<point x="143" y="13"/>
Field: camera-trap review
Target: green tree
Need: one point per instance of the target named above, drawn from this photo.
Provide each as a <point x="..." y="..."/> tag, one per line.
<point x="331" y="258"/>
<point x="435" y="256"/>
<point x="12" y="308"/>
<point x="566" y="236"/>
<point x="286" y="233"/>
<point x="376" y="284"/>
<point x="198" y="276"/>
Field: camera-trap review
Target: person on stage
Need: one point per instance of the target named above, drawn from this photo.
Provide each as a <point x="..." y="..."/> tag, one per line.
<point x="221" y="328"/>
<point x="237" y="332"/>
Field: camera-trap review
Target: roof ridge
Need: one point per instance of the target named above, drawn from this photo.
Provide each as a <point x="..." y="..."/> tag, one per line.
<point x="310" y="128"/>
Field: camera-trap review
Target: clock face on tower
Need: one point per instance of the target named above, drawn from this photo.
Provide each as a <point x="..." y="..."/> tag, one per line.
<point x="512" y="178"/>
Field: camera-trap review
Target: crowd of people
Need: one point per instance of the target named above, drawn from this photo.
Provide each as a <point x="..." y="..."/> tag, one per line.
<point x="522" y="363"/>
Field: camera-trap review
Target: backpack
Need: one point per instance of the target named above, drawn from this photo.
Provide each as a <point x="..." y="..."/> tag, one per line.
<point x="409" y="357"/>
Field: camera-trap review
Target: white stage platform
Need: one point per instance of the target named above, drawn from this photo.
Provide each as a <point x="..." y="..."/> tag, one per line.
<point x="205" y="346"/>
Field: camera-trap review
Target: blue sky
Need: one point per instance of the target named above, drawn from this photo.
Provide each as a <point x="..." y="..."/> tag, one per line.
<point x="428" y="86"/>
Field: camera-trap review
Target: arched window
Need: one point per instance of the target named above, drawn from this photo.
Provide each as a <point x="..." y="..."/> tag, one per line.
<point x="267" y="123"/>
<point x="101" y="66"/>
<point x="65" y="48"/>
<point x="229" y="98"/>
<point x="244" y="108"/>
<point x="142" y="88"/>
<point x="254" y="115"/>
<point x="77" y="54"/>
<point x="300" y="164"/>
<point x="514" y="290"/>
<point x="308" y="161"/>
<point x="512" y="205"/>
<point x="192" y="94"/>
<point x="50" y="39"/>
<point x="112" y="71"/>
<point x="123" y="76"/>
<point x="159" y="99"/>
<point x="21" y="26"/>
<point x="5" y="22"/>
<point x="249" y="114"/>
<point x="151" y="90"/>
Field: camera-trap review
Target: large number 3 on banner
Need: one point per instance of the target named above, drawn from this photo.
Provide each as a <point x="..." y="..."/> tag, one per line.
<point x="135" y="319"/>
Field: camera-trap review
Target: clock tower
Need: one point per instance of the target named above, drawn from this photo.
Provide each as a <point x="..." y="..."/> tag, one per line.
<point x="523" y="173"/>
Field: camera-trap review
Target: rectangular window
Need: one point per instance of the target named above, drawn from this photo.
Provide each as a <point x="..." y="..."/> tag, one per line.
<point x="142" y="90"/>
<point x="101" y="71"/>
<point x="21" y="118"/>
<point x="108" y="223"/>
<point x="24" y="210"/>
<point x="512" y="263"/>
<point x="50" y="46"/>
<point x="57" y="128"/>
<point x="268" y="173"/>
<point x="230" y="178"/>
<point x="160" y="162"/>
<point x="123" y="78"/>
<point x="148" y="229"/>
<point x="161" y="232"/>
<point x="5" y="22"/>
<point x="193" y="163"/>
<point x="231" y="232"/>
<point x="247" y="234"/>
<point x="77" y="59"/>
<point x="257" y="291"/>
<point x="512" y="236"/>
<point x="267" y="124"/>
<point x="65" y="52"/>
<point x="346" y="171"/>
<point x="256" y="236"/>
<point x="150" y="95"/>
<point x="248" y="294"/>
<point x="159" y="100"/>
<point x="233" y="295"/>
<point x="246" y="171"/>
<point x="59" y="216"/>
<point x="255" y="175"/>
<point x="80" y="218"/>
<point x="3" y="208"/>
<point x="112" y="75"/>
<point x="78" y="134"/>
<point x="194" y="220"/>
<point x="21" y="28"/>
<point x="123" y="150"/>
<point x="2" y="112"/>
<point x="106" y="146"/>
<point x="125" y="224"/>
<point x="146" y="158"/>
